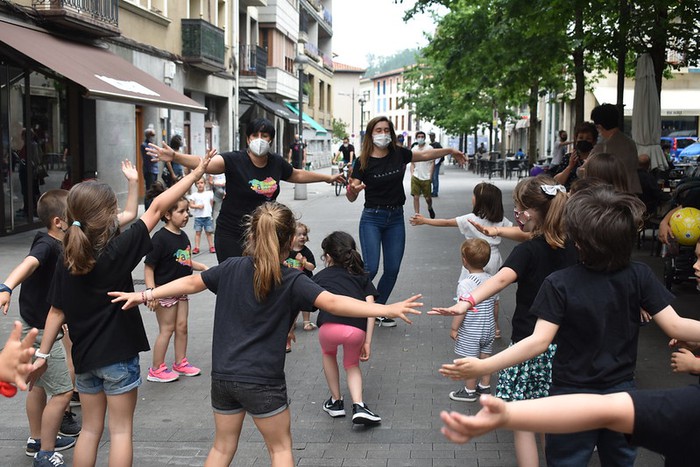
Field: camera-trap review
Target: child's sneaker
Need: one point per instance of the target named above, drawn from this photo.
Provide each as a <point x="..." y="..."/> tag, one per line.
<point x="69" y="425"/>
<point x="184" y="368"/>
<point x="48" y="459"/>
<point x="195" y="251"/>
<point x="483" y="389"/>
<point x="62" y="443"/>
<point x="361" y="415"/>
<point x="162" y="374"/>
<point x="334" y="408"/>
<point x="464" y="395"/>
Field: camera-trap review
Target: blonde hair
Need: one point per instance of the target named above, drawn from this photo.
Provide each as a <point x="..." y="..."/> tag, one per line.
<point x="91" y="215"/>
<point x="269" y="234"/>
<point x="476" y="252"/>
<point x="528" y="194"/>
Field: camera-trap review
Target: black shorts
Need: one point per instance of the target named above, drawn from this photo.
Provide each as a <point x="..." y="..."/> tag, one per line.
<point x="259" y="400"/>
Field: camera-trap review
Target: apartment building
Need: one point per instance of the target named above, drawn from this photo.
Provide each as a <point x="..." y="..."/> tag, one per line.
<point x="348" y="99"/>
<point x="81" y="81"/>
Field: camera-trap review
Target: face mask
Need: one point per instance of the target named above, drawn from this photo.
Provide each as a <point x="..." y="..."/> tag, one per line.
<point x="381" y="141"/>
<point x="584" y="146"/>
<point x="420" y="141"/>
<point x="259" y="147"/>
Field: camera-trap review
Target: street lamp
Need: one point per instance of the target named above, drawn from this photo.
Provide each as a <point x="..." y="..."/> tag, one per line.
<point x="298" y="159"/>
<point x="362" y="101"/>
<point x="352" y="97"/>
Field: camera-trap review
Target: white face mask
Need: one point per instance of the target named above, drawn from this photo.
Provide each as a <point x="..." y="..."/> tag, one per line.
<point x="346" y="145"/>
<point x="420" y="141"/>
<point x="381" y="140"/>
<point x="259" y="147"/>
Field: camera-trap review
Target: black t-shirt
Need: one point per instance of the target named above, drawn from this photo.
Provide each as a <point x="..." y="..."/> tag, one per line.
<point x="249" y="336"/>
<point x="247" y="187"/>
<point x="532" y="261"/>
<point x="383" y="178"/>
<point x="170" y="257"/>
<point x="346" y="151"/>
<point x="598" y="318"/>
<point x="436" y="145"/>
<point x="33" y="306"/>
<point x="339" y="281"/>
<point x="293" y="262"/>
<point x="666" y="421"/>
<point x="103" y="333"/>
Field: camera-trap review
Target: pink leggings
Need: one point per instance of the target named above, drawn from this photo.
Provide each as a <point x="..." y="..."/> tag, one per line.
<point x="331" y="335"/>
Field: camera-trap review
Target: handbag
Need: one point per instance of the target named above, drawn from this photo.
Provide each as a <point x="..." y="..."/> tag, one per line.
<point x="40" y="172"/>
<point x="66" y="184"/>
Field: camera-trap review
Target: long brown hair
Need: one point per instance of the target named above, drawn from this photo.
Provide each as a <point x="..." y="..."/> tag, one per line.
<point x="368" y="143"/>
<point x="92" y="222"/>
<point x="269" y="234"/>
<point x="488" y="202"/>
<point x="528" y="194"/>
<point x="610" y="169"/>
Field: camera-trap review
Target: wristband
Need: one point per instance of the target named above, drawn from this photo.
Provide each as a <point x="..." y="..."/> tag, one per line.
<point x="469" y="299"/>
<point x="5" y="288"/>
<point x="45" y="356"/>
<point x="147" y="292"/>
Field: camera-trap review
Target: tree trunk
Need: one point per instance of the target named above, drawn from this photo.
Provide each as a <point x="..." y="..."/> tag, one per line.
<point x="621" y="56"/>
<point x="532" y="130"/>
<point x="658" y="46"/>
<point x="579" y="67"/>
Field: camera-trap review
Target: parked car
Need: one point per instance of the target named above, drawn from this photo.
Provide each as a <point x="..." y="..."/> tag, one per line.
<point x="677" y="144"/>
<point x="690" y="153"/>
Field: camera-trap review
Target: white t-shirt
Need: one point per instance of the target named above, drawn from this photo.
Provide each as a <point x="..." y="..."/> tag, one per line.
<point x="204" y="198"/>
<point x="469" y="231"/>
<point x="422" y="170"/>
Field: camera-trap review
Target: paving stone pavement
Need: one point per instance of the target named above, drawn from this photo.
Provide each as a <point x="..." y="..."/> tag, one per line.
<point x="173" y="423"/>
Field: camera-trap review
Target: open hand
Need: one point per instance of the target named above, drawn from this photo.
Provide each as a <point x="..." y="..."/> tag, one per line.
<point x="459" y="308"/>
<point x="204" y="162"/>
<point x="337" y="178"/>
<point x="5" y="299"/>
<point x="157" y="153"/>
<point x="354" y="190"/>
<point x="417" y="219"/>
<point x="489" y="231"/>
<point x="462" y="368"/>
<point x="460" y="428"/>
<point x="459" y="156"/>
<point x="16" y="357"/>
<point x="130" y="171"/>
<point x="131" y="299"/>
<point x="683" y="361"/>
<point x="401" y="309"/>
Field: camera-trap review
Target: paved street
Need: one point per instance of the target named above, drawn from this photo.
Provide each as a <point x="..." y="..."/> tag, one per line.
<point x="174" y="425"/>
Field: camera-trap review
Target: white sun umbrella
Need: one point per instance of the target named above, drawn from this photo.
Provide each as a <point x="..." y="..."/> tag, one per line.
<point x="646" y="113"/>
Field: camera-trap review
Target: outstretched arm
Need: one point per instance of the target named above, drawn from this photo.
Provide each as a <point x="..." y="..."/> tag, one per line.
<point x="18" y="275"/>
<point x="488" y="288"/>
<point x="131" y="208"/>
<point x="165" y="153"/>
<point x="512" y="232"/>
<point x="187" y="285"/>
<point x="418" y="219"/>
<point x="345" y="306"/>
<point x="557" y="414"/>
<point x="430" y="154"/>
<point x="308" y="176"/>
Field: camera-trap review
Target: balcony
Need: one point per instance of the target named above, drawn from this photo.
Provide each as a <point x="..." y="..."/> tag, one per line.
<point x="96" y="18"/>
<point x="203" y="45"/>
<point x="259" y="3"/>
<point x="253" y="69"/>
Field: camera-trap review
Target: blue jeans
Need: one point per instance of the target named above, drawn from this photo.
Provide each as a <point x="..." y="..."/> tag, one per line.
<point x="114" y="379"/>
<point x="576" y="449"/>
<point x="383" y="231"/>
<point x="436" y="178"/>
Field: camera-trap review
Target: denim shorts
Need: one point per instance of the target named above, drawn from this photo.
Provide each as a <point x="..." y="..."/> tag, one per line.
<point x="259" y="400"/>
<point x="117" y="378"/>
<point x="203" y="223"/>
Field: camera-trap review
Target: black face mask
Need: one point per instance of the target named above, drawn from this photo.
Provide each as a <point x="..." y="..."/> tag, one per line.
<point x="584" y="146"/>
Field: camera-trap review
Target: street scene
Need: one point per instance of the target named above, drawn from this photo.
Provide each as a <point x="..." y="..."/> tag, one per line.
<point x="367" y="233"/>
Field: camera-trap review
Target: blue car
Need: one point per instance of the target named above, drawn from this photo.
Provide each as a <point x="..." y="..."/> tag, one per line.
<point x="676" y="144"/>
<point x="690" y="153"/>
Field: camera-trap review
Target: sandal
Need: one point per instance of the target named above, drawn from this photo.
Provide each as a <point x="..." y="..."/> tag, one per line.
<point x="309" y="326"/>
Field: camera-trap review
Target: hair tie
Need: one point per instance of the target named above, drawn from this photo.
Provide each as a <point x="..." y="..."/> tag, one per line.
<point x="551" y="190"/>
<point x="77" y="224"/>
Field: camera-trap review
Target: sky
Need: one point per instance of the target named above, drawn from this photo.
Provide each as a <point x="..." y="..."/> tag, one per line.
<point x="362" y="27"/>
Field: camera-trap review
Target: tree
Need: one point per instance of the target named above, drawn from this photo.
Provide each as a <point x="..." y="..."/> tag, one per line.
<point x="339" y="129"/>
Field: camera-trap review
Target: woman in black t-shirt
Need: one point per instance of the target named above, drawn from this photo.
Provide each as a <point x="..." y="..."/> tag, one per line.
<point x="380" y="171"/>
<point x="252" y="178"/>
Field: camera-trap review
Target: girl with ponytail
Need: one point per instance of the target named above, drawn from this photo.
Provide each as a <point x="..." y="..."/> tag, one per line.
<point x="257" y="299"/>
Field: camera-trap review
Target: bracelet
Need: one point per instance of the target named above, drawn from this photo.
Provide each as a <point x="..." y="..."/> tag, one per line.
<point x="147" y="292"/>
<point x="469" y="299"/>
<point x="5" y="288"/>
<point x="45" y="356"/>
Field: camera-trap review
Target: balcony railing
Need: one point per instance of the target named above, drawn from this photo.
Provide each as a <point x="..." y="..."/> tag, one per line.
<point x="327" y="61"/>
<point x="253" y="61"/>
<point x="98" y="18"/>
<point x="203" y="45"/>
<point x="312" y="50"/>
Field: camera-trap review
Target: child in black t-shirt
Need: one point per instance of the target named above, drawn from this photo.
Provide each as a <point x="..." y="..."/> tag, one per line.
<point x="301" y="258"/>
<point x="170" y="259"/>
<point x="345" y="275"/>
<point x="106" y="340"/>
<point x="256" y="300"/>
<point x="593" y="310"/>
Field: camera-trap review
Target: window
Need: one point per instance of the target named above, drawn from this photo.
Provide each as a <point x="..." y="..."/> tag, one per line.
<point x="321" y="95"/>
<point x="378" y="88"/>
<point x="384" y="87"/>
<point x="403" y="122"/>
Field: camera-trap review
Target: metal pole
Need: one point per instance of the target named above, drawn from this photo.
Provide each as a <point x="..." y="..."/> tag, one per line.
<point x="300" y="188"/>
<point x="354" y="134"/>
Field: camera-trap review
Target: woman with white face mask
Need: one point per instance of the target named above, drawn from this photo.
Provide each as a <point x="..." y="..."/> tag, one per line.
<point x="379" y="171"/>
<point x="252" y="178"/>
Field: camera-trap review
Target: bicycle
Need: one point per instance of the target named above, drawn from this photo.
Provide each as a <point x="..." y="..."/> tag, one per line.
<point x="344" y="168"/>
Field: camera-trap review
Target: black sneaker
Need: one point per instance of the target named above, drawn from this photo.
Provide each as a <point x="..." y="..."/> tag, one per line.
<point x="483" y="389"/>
<point x="62" y="443"/>
<point x="431" y="212"/>
<point x="48" y="459"/>
<point x="361" y="415"/>
<point x="386" y="322"/>
<point x="75" y="399"/>
<point x="464" y="395"/>
<point x="334" y="409"/>
<point x="69" y="426"/>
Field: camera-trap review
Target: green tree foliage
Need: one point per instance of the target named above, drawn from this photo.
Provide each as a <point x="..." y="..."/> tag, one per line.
<point x="339" y="128"/>
<point x="401" y="59"/>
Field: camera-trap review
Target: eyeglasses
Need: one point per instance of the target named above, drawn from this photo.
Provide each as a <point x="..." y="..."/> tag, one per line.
<point x="523" y="213"/>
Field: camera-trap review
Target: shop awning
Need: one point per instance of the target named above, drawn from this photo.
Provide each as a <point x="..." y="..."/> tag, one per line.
<point x="271" y="106"/>
<point x="103" y="74"/>
<point x="673" y="101"/>
<point x="320" y="130"/>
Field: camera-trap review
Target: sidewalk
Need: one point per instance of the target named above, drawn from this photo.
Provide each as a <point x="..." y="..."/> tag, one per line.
<point x="173" y="422"/>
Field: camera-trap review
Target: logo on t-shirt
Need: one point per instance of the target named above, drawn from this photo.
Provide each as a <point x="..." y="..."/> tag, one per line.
<point x="184" y="257"/>
<point x="266" y="187"/>
<point x="293" y="263"/>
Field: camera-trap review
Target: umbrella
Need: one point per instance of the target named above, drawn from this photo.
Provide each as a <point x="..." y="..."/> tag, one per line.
<point x="646" y="116"/>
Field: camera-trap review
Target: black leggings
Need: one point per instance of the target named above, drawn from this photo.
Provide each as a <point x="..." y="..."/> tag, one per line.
<point x="227" y="245"/>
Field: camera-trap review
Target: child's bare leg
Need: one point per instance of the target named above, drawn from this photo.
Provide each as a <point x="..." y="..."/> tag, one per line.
<point x="277" y="433"/>
<point x="68" y="345"/>
<point x="354" y="376"/>
<point x="51" y="419"/>
<point x="94" y="407"/>
<point x="210" y="240"/>
<point x="228" y="430"/>
<point x="496" y="305"/>
<point x="35" y="404"/>
<point x="485" y="380"/>
<point x="181" y="330"/>
<point x="416" y="204"/>
<point x="166" y="326"/>
<point x="121" y="428"/>
<point x="470" y="384"/>
<point x="526" y="449"/>
<point x="330" y="370"/>
<point x="197" y="239"/>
